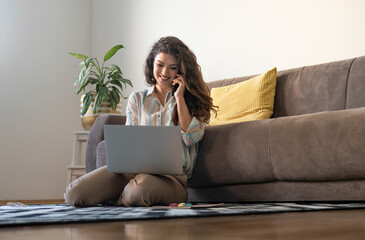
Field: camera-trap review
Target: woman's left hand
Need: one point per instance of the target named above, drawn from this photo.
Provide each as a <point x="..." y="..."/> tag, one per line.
<point x="182" y="86"/>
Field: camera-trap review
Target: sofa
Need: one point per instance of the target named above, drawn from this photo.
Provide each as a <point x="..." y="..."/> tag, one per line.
<point x="311" y="149"/>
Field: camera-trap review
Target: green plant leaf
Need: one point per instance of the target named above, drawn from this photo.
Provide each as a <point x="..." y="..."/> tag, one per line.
<point x="101" y="78"/>
<point x="127" y="81"/>
<point x="104" y="93"/>
<point x="79" y="56"/>
<point x="97" y="66"/>
<point x="86" y="103"/>
<point x="88" y="61"/>
<point x="114" y="98"/>
<point x="78" y="90"/>
<point x="84" y="73"/>
<point x="123" y="96"/>
<point x="93" y="80"/>
<point x="119" y="92"/>
<point x="97" y="104"/>
<point x="115" y="95"/>
<point x="116" y="89"/>
<point x="116" y="82"/>
<point x="112" y="51"/>
<point x="115" y="76"/>
<point x="114" y="68"/>
<point x="90" y="81"/>
<point x="114" y="105"/>
<point x="100" y="97"/>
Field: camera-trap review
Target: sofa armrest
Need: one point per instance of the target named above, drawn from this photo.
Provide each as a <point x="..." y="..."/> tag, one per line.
<point x="97" y="135"/>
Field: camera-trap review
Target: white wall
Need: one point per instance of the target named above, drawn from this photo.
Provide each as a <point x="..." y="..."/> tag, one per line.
<point x="230" y="38"/>
<point x="39" y="109"/>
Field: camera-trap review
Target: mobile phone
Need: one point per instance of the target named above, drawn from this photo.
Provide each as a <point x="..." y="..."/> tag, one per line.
<point x="174" y="88"/>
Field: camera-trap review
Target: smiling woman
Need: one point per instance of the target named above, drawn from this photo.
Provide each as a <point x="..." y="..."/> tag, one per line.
<point x="165" y="71"/>
<point x="170" y="62"/>
<point x="188" y="74"/>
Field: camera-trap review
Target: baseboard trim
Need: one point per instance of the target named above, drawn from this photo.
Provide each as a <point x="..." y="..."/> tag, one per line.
<point x="29" y="202"/>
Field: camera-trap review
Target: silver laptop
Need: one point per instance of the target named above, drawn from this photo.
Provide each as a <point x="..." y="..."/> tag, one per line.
<point x="143" y="149"/>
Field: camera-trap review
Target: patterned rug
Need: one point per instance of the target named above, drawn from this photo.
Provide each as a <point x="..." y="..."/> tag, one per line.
<point x="63" y="213"/>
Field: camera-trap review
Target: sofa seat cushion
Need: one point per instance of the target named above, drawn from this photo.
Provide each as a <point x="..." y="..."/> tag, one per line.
<point x="326" y="146"/>
<point x="234" y="154"/>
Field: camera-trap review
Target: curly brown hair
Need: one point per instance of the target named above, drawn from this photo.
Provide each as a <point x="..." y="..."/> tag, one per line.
<point x="197" y="96"/>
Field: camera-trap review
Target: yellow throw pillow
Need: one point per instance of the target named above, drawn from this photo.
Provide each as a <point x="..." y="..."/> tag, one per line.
<point x="245" y="101"/>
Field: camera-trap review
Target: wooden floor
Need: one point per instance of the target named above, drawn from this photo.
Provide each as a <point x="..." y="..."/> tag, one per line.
<point x="346" y="224"/>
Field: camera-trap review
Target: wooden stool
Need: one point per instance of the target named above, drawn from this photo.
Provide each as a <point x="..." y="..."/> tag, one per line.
<point x="77" y="167"/>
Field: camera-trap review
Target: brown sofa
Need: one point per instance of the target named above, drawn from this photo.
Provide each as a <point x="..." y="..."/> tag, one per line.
<point x="312" y="149"/>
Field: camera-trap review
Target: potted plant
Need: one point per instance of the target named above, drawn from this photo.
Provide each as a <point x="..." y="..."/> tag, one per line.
<point x="106" y="83"/>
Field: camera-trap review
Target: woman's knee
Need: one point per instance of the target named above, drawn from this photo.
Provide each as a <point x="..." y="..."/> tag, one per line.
<point x="96" y="187"/>
<point x="135" y="194"/>
<point x="145" y="190"/>
<point x="74" y="195"/>
<point x="81" y="193"/>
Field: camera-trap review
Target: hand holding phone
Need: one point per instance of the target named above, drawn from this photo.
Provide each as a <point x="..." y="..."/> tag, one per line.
<point x="174" y="88"/>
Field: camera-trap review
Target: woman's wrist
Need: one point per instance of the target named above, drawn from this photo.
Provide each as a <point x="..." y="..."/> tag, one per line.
<point x="184" y="114"/>
<point x="179" y="99"/>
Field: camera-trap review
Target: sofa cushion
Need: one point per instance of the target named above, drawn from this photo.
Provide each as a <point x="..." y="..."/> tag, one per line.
<point x="316" y="88"/>
<point x="235" y="153"/>
<point x="245" y="101"/>
<point x="312" y="89"/>
<point x="356" y="87"/>
<point x="326" y="146"/>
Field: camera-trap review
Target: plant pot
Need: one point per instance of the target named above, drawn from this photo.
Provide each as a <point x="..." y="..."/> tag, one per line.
<point x="89" y="118"/>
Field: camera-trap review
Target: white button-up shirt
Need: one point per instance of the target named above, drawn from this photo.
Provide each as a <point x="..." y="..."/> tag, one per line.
<point x="144" y="108"/>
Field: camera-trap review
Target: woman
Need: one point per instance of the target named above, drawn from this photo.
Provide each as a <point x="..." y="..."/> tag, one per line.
<point x="169" y="65"/>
